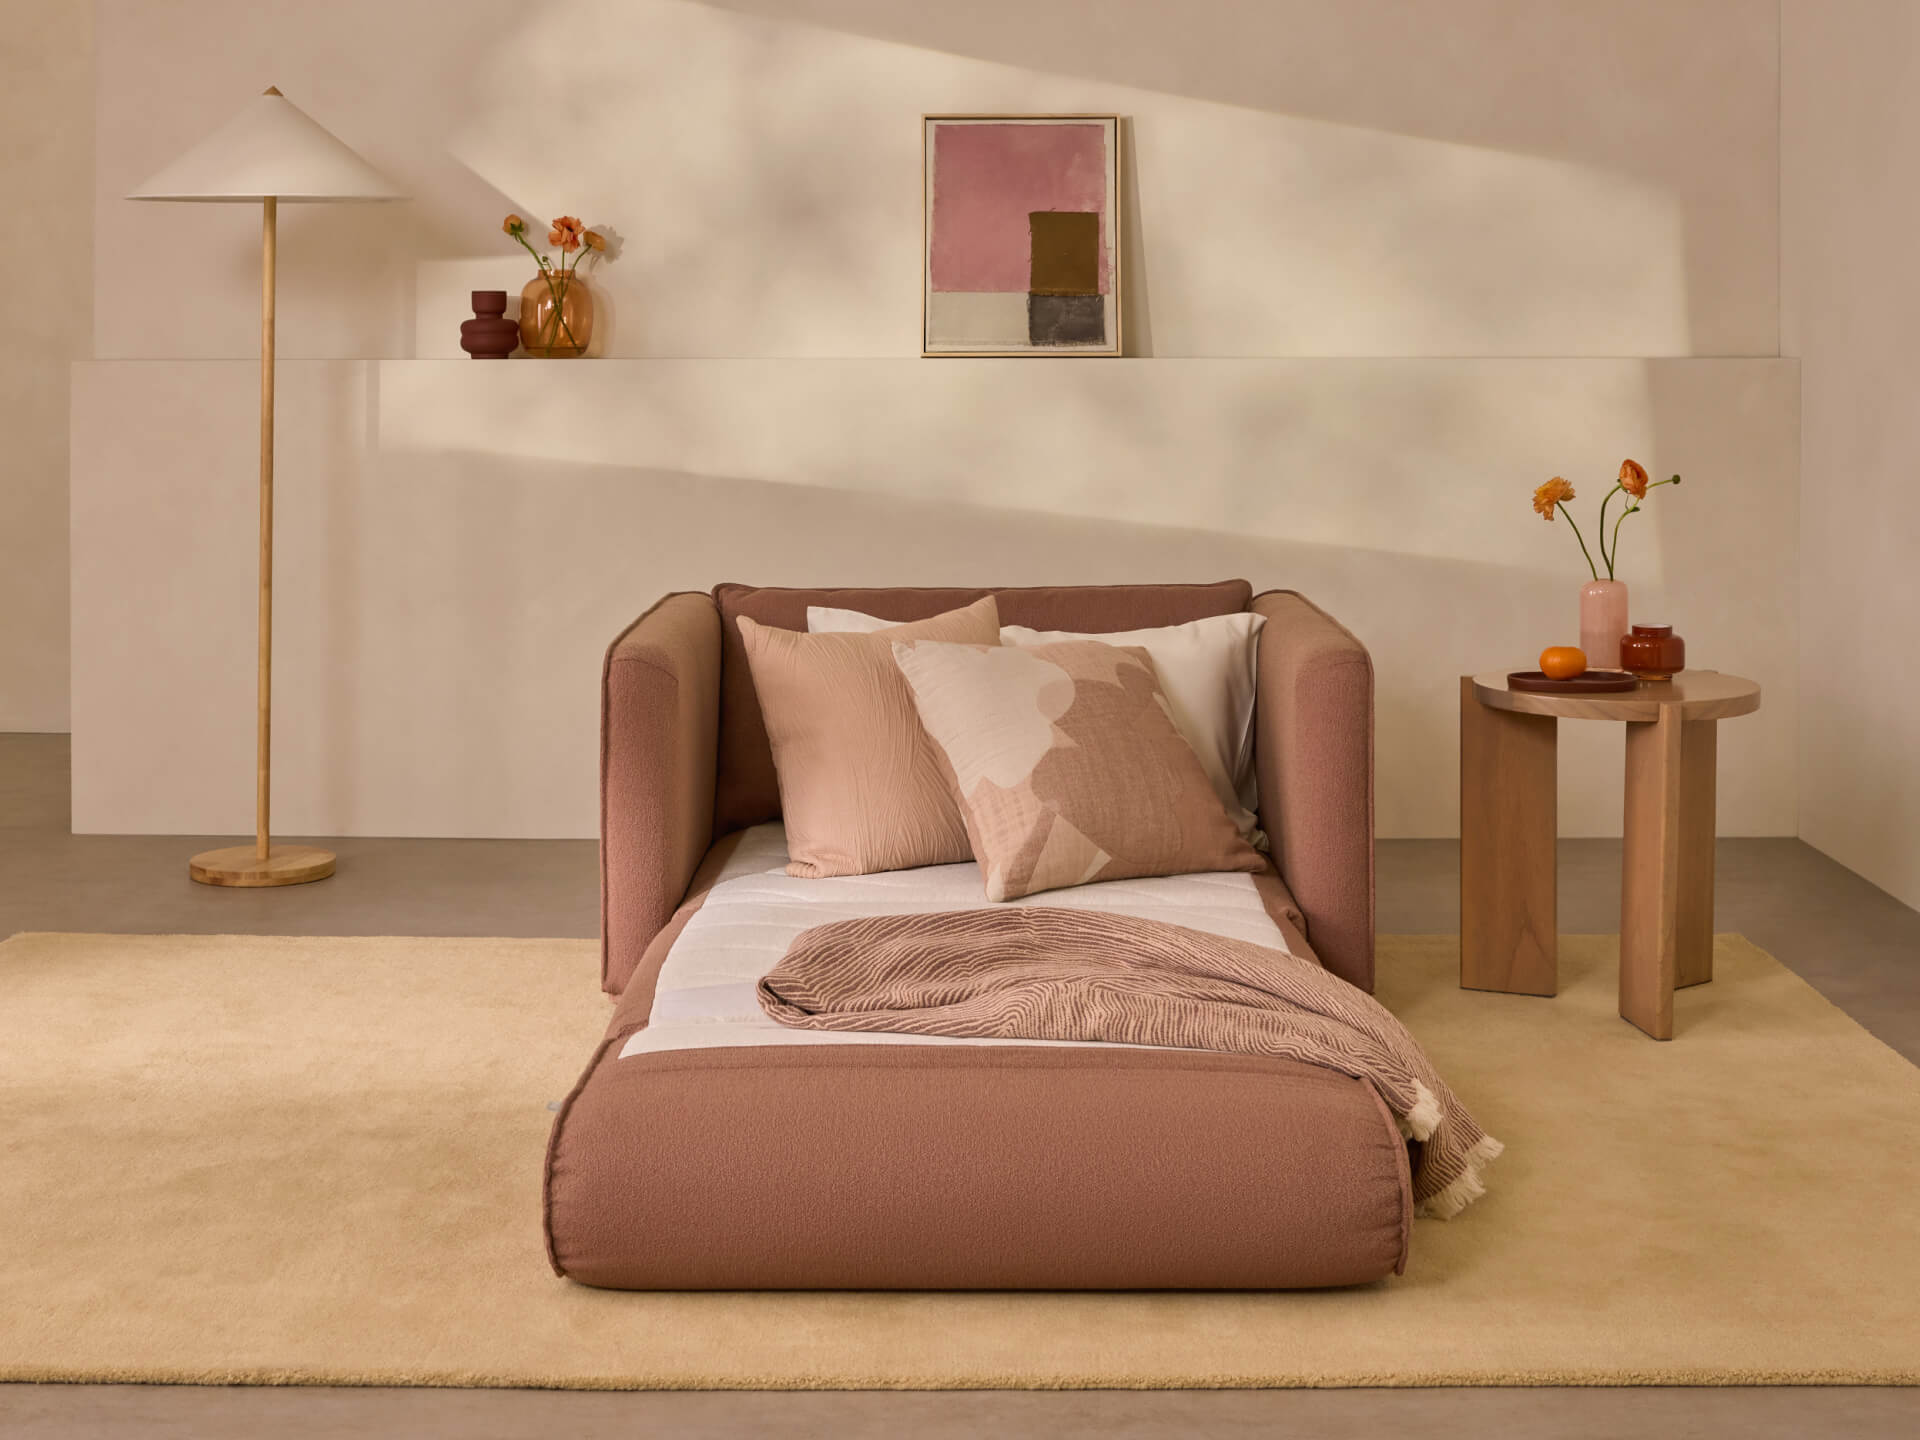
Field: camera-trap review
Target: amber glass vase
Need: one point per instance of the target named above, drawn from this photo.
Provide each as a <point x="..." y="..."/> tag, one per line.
<point x="1653" y="652"/>
<point x="556" y="315"/>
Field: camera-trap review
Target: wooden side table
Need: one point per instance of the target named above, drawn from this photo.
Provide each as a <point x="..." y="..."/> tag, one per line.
<point x="1509" y="743"/>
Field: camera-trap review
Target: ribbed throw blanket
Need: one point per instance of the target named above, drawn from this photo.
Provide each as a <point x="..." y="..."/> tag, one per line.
<point x="1056" y="974"/>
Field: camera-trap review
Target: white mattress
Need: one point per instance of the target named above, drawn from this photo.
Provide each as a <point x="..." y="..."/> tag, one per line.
<point x="706" y="994"/>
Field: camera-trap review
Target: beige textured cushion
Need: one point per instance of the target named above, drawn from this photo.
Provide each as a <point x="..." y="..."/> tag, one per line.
<point x="861" y="787"/>
<point x="1068" y="765"/>
<point x="1208" y="670"/>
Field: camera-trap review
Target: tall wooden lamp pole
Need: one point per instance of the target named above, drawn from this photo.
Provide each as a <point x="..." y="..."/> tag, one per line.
<point x="264" y="863"/>
<point x="268" y="153"/>
<point x="263" y="735"/>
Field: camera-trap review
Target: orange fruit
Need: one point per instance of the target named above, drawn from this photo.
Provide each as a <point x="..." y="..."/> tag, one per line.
<point x="1563" y="662"/>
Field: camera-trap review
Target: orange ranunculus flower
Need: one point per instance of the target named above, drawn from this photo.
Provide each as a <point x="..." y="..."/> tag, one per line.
<point x="1555" y="492"/>
<point x="594" y="239"/>
<point x="565" y="233"/>
<point x="513" y="225"/>
<point x="1633" y="479"/>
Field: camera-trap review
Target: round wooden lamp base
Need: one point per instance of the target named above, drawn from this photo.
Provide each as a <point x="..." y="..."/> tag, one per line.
<point x="242" y="865"/>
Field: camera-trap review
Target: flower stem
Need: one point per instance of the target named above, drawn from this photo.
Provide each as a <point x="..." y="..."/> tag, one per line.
<point x="1633" y="509"/>
<point x="1605" y="558"/>
<point x="539" y="259"/>
<point x="550" y="334"/>
<point x="1582" y="539"/>
<point x="1630" y="510"/>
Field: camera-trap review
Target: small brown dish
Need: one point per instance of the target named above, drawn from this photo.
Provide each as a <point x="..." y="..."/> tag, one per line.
<point x="1591" y="682"/>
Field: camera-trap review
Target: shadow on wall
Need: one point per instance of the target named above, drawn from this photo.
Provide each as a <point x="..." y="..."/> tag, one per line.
<point x="779" y="173"/>
<point x="1368" y="485"/>
<point x="1136" y="320"/>
<point x="498" y="655"/>
<point x="1720" y="556"/>
<point x="1415" y="457"/>
<point x="767" y="172"/>
<point x="454" y="557"/>
<point x="494" y="672"/>
<point x="1681" y="98"/>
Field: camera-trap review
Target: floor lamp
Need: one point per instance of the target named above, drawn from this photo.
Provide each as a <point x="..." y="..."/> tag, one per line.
<point x="269" y="152"/>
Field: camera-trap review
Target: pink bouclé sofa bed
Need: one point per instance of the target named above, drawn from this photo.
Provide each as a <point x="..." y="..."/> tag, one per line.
<point x="963" y="1167"/>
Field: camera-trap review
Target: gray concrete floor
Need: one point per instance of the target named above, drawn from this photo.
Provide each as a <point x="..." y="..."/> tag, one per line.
<point x="1858" y="945"/>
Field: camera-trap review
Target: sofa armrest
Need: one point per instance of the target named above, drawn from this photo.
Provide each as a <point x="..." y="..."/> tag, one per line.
<point x="659" y="724"/>
<point x="1313" y="747"/>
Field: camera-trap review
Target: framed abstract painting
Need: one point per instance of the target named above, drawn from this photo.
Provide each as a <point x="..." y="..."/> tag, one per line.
<point x="1022" y="244"/>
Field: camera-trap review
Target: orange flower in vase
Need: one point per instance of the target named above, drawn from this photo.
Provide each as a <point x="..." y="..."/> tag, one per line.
<point x="556" y="307"/>
<point x="1603" y="602"/>
<point x="1550" y="496"/>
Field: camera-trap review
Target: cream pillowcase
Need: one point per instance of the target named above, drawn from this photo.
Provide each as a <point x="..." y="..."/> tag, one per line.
<point x="1068" y="765"/>
<point x="861" y="787"/>
<point x="826" y="620"/>
<point x="1208" y="669"/>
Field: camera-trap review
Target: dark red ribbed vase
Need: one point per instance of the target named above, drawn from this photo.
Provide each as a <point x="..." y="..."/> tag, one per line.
<point x="489" y="335"/>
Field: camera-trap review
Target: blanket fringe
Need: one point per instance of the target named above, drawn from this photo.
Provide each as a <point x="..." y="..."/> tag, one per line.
<point x="1467" y="1188"/>
<point x="1420" y="1122"/>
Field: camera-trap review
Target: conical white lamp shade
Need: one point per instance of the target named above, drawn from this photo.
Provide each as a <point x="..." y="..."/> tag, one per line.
<point x="271" y="148"/>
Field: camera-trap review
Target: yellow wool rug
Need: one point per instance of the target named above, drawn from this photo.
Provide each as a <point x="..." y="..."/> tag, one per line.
<point x="246" y="1160"/>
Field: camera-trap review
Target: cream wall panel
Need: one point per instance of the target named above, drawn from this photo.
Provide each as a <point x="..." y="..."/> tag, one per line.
<point x="1852" y="153"/>
<point x="46" y="60"/>
<point x="458" y="543"/>
<point x="1478" y="177"/>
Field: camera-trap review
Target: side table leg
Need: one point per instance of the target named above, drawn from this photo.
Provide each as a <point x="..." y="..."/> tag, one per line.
<point x="1650" y="875"/>
<point x="1699" y="760"/>
<point x="1508" y="815"/>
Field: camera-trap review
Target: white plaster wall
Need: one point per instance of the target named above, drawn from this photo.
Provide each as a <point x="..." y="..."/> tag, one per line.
<point x="1368" y="177"/>
<point x="459" y="543"/>
<point x="1851" y="165"/>
<point x="1383" y="254"/>
<point x="46" y="160"/>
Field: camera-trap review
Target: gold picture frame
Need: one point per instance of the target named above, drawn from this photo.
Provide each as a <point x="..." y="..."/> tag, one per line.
<point x="982" y="322"/>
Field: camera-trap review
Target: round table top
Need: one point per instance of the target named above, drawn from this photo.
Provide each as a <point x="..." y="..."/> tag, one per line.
<point x="1700" y="694"/>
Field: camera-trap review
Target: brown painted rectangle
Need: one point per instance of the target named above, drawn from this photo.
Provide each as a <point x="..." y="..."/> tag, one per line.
<point x="1066" y="252"/>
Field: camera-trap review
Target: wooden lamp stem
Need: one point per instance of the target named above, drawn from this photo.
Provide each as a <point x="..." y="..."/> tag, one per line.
<point x="261" y="864"/>
<point x="263" y="782"/>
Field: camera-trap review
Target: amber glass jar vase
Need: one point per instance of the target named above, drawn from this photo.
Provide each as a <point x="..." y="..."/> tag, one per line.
<point x="556" y="315"/>
<point x="1653" y="652"/>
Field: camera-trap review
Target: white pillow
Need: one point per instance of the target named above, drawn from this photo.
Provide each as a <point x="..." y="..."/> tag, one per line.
<point x="824" y="619"/>
<point x="1207" y="670"/>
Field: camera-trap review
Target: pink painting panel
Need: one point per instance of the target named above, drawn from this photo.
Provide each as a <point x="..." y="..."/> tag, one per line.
<point x="988" y="178"/>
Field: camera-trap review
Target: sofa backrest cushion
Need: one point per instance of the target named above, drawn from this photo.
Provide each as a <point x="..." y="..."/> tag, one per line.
<point x="746" y="790"/>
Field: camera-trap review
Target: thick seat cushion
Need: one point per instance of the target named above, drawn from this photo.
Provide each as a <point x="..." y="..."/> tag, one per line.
<point x="965" y="1167"/>
<point x="747" y="791"/>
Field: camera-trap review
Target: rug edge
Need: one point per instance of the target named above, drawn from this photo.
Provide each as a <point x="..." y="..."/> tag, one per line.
<point x="1421" y="1379"/>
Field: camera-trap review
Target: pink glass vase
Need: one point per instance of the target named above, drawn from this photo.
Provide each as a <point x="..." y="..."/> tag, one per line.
<point x="1603" y="620"/>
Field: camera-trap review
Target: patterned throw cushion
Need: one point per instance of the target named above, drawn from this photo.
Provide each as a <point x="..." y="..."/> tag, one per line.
<point x="1068" y="765"/>
<point x="861" y="787"/>
<point x="1208" y="670"/>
